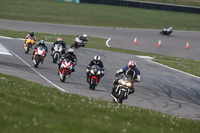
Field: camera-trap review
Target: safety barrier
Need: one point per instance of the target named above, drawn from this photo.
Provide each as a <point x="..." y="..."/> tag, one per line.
<point x="146" y="5"/>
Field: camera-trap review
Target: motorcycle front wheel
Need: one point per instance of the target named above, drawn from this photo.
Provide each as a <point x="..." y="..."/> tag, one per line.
<point x="63" y="76"/>
<point x="121" y="97"/>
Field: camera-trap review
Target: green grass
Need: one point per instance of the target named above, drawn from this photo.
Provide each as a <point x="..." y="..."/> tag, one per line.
<point x="50" y="11"/>
<point x="27" y="107"/>
<point x="186" y="65"/>
<point x="177" y="2"/>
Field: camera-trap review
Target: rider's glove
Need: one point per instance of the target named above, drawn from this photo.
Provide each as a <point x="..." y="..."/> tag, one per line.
<point x="87" y="70"/>
<point x="117" y="74"/>
<point x="138" y="78"/>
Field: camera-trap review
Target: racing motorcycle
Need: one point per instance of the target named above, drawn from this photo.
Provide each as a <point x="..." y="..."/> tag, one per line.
<point x="28" y="44"/>
<point x="39" y="56"/>
<point x="95" y="73"/>
<point x="166" y="31"/>
<point x="77" y="43"/>
<point x="65" y="69"/>
<point x="57" y="52"/>
<point x="123" y="88"/>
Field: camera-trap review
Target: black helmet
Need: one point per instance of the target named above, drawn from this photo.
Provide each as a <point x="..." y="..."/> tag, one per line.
<point x="42" y="42"/>
<point x="32" y="34"/>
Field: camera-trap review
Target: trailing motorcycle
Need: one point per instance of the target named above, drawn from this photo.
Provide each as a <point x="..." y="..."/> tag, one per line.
<point x="95" y="74"/>
<point x="65" y="69"/>
<point x="77" y="43"/>
<point x="166" y="31"/>
<point x="28" y="44"/>
<point x="39" y="56"/>
<point x="123" y="88"/>
<point x="57" y="52"/>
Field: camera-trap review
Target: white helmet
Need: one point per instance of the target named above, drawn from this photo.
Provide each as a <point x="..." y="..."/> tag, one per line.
<point x="85" y="35"/>
<point x="70" y="51"/>
<point x="97" y="58"/>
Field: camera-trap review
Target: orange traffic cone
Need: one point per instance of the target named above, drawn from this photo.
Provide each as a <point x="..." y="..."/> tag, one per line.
<point x="159" y="43"/>
<point x="187" y="45"/>
<point x="135" y="40"/>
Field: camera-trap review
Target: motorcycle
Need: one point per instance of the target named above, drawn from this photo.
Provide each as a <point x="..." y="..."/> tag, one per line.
<point x="77" y="43"/>
<point x="57" y="52"/>
<point x="123" y="88"/>
<point x="166" y="31"/>
<point x="28" y="45"/>
<point x="65" y="69"/>
<point x="38" y="56"/>
<point x="95" y="73"/>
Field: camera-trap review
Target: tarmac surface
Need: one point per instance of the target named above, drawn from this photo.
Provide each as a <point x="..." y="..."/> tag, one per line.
<point x="161" y="88"/>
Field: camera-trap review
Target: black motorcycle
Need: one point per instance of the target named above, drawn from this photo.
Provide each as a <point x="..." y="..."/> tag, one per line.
<point x="95" y="74"/>
<point x="123" y="88"/>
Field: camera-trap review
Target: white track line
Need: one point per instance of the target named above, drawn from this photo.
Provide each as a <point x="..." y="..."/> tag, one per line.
<point x="107" y="42"/>
<point x="3" y="50"/>
<point x="38" y="72"/>
<point x="173" y="69"/>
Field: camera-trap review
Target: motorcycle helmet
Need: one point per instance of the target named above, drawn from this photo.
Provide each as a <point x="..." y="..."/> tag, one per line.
<point x="70" y="51"/>
<point x="85" y="35"/>
<point x="59" y="39"/>
<point x="32" y="34"/>
<point x="42" y="42"/>
<point x="97" y="58"/>
<point x="131" y="65"/>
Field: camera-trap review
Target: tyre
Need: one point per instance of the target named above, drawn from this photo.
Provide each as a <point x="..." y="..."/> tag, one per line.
<point x="63" y="77"/>
<point x="55" y="58"/>
<point x="93" y="85"/>
<point x="121" y="97"/>
<point x="37" y="61"/>
<point x="26" y="51"/>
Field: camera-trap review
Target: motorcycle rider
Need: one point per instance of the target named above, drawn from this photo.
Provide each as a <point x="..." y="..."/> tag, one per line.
<point x="167" y="30"/>
<point x="69" y="55"/>
<point x="42" y="44"/>
<point x="31" y="34"/>
<point x="84" y="39"/>
<point x="61" y="42"/>
<point x="129" y="70"/>
<point x="95" y="61"/>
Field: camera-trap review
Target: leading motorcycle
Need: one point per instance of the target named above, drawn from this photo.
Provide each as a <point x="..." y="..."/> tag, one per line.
<point x="28" y="44"/>
<point x="166" y="31"/>
<point x="95" y="74"/>
<point x="39" y="56"/>
<point x="65" y="69"/>
<point x="57" y="52"/>
<point x="123" y="88"/>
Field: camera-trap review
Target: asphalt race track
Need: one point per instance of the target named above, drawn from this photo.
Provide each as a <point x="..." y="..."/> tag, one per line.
<point x="147" y="40"/>
<point x="160" y="88"/>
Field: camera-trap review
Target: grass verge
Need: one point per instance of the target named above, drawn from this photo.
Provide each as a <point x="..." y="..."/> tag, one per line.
<point x="186" y="65"/>
<point x="30" y="107"/>
<point x="50" y="11"/>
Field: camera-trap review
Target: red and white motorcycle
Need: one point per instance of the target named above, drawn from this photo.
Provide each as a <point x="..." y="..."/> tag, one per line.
<point x="38" y="56"/>
<point x="77" y="43"/>
<point x="65" y="69"/>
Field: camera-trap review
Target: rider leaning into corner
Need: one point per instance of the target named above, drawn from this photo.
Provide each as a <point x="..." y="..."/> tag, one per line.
<point x="69" y="55"/>
<point x="168" y="29"/>
<point x="61" y="42"/>
<point x="129" y="70"/>
<point x="41" y="44"/>
<point x="84" y="38"/>
<point x="31" y="34"/>
<point x="96" y="61"/>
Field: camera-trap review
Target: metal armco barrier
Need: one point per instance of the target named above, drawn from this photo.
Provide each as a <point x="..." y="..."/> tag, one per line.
<point x="146" y="5"/>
